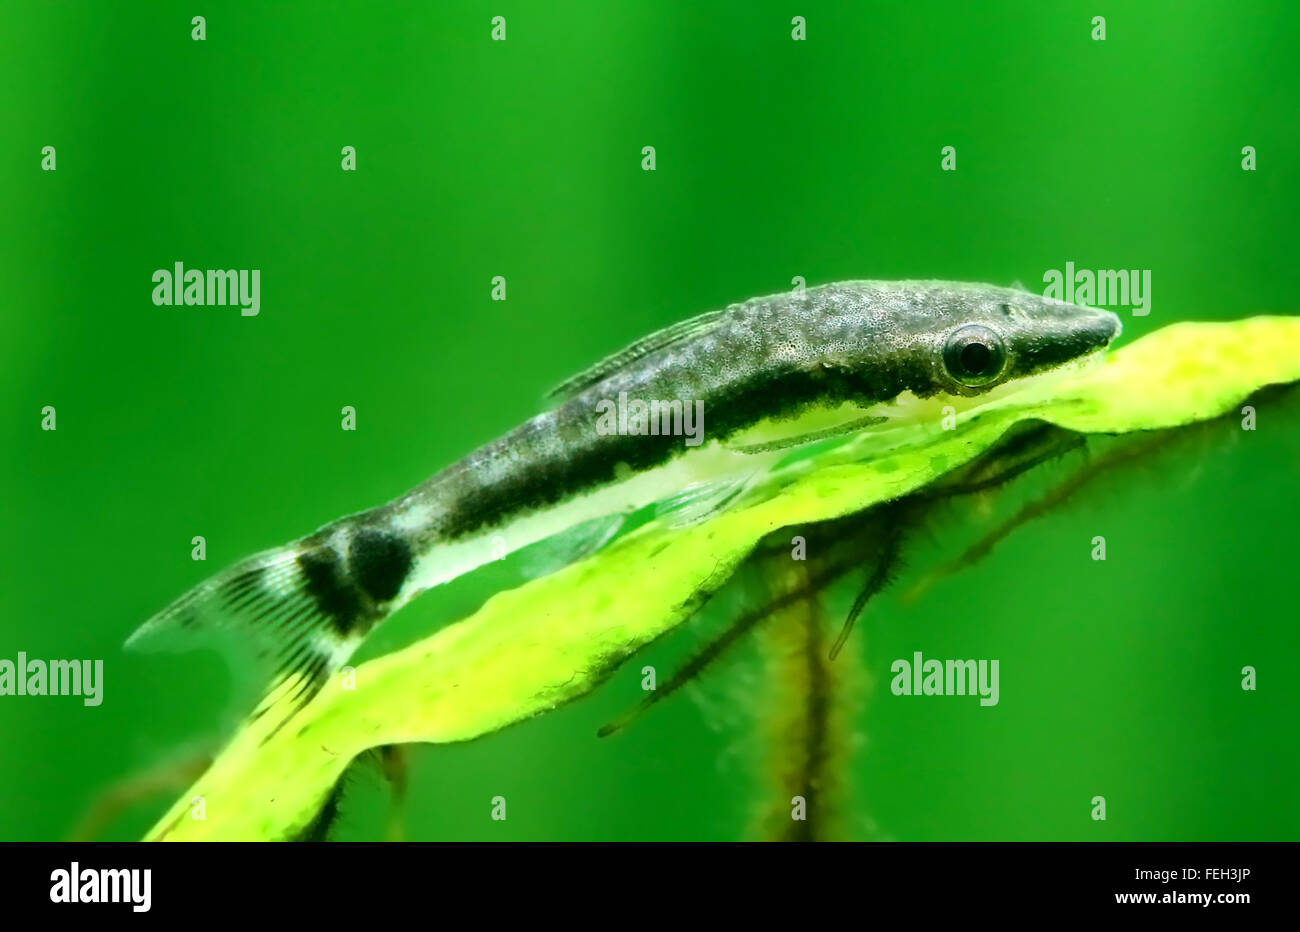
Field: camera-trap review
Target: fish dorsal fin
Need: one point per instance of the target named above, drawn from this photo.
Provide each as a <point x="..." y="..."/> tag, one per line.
<point x="674" y="333"/>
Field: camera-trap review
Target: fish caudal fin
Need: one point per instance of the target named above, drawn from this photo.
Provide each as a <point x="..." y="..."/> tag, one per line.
<point x="297" y="612"/>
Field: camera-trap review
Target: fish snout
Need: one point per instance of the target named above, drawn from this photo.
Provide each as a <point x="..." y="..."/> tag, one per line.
<point x="1099" y="328"/>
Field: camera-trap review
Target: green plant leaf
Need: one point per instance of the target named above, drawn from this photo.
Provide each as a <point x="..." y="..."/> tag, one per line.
<point x="530" y="649"/>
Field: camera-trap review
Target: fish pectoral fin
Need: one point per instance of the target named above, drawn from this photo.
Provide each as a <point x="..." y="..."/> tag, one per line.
<point x="700" y="501"/>
<point x="569" y="546"/>
<point x="641" y="348"/>
<point x="798" y="440"/>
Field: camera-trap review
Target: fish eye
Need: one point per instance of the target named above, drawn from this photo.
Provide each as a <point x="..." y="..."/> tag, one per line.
<point x="974" y="355"/>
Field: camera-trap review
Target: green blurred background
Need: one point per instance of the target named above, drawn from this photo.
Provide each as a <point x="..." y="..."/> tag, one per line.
<point x="522" y="158"/>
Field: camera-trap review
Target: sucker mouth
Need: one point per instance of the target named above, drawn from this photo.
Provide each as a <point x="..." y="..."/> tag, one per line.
<point x="1074" y="368"/>
<point x="1080" y="365"/>
<point x="907" y="409"/>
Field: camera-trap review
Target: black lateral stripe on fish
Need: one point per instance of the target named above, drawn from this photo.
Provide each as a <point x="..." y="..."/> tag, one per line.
<point x="770" y="373"/>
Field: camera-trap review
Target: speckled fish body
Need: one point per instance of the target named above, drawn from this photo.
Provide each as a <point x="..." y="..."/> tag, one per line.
<point x="732" y="390"/>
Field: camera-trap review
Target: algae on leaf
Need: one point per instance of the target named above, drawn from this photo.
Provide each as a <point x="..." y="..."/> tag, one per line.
<point x="554" y="639"/>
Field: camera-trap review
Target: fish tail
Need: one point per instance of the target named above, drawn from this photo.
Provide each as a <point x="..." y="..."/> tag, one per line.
<point x="298" y="611"/>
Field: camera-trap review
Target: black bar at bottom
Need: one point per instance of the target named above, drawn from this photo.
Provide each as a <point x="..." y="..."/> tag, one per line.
<point x="658" y="882"/>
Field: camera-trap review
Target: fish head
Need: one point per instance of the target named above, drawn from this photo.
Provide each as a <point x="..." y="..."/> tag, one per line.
<point x="975" y="338"/>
